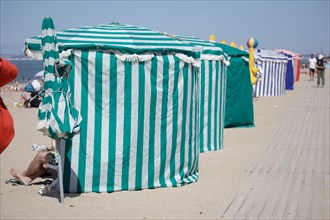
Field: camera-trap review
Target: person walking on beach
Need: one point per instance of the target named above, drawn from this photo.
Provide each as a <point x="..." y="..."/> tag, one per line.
<point x="311" y="64"/>
<point x="320" y="70"/>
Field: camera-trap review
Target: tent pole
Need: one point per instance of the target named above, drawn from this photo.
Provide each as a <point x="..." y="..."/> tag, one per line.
<point x="60" y="170"/>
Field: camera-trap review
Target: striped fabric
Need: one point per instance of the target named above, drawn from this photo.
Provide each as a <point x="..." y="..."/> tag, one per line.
<point x="127" y="39"/>
<point x="296" y="61"/>
<point x="272" y="67"/>
<point x="137" y="93"/>
<point x="57" y="116"/>
<point x="212" y="94"/>
<point x="139" y="127"/>
<point x="207" y="48"/>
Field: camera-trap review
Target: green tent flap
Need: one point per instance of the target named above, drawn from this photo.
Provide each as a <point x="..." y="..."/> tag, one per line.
<point x="232" y="51"/>
<point x="239" y="99"/>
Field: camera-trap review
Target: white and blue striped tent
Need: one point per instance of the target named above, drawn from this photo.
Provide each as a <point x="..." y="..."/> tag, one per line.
<point x="212" y="94"/>
<point x="272" y="68"/>
<point x="136" y="91"/>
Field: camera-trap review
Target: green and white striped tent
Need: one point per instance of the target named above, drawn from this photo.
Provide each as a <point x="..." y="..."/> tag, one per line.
<point x="212" y="93"/>
<point x="136" y="90"/>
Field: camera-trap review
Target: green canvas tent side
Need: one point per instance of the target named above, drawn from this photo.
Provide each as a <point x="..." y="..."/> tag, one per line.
<point x="212" y="93"/>
<point x="136" y="91"/>
<point x="239" y="91"/>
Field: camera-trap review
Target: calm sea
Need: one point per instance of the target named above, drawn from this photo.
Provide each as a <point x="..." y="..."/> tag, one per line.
<point x="27" y="69"/>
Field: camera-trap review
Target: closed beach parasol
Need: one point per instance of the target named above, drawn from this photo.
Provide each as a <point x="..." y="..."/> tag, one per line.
<point x="57" y="116"/>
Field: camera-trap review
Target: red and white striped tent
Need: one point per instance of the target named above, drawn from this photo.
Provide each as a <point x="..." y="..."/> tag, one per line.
<point x="296" y="61"/>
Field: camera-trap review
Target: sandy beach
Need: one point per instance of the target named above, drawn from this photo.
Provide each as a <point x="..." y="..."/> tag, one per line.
<point x="278" y="169"/>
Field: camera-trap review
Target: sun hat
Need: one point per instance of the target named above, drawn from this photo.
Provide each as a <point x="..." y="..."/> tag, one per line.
<point x="320" y="56"/>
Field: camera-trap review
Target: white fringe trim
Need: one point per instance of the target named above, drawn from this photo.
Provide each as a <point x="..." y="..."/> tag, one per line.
<point x="37" y="55"/>
<point x="225" y="61"/>
<point x="134" y="57"/>
<point x="186" y="59"/>
<point x="245" y="59"/>
<point x="216" y="57"/>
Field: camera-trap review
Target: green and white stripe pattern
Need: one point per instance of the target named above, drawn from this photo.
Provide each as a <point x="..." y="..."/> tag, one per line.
<point x="139" y="127"/>
<point x="212" y="94"/>
<point x="127" y="39"/>
<point x="212" y="104"/>
<point x="57" y="117"/>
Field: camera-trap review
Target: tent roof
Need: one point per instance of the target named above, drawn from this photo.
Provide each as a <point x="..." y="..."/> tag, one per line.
<point x="293" y="54"/>
<point x="206" y="46"/>
<point x="269" y="54"/>
<point x="232" y="51"/>
<point x="114" y="36"/>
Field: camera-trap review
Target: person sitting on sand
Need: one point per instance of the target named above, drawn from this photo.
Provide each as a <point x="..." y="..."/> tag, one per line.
<point x="37" y="167"/>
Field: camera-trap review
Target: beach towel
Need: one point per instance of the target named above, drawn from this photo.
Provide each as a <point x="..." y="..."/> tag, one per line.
<point x="8" y="72"/>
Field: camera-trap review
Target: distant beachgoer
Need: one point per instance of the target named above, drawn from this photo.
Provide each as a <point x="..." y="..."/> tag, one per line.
<point x="311" y="64"/>
<point x="29" y="87"/>
<point x="8" y="72"/>
<point x="15" y="87"/>
<point x="320" y="70"/>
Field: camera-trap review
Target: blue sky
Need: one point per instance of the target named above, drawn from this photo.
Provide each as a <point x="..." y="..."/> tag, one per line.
<point x="300" y="26"/>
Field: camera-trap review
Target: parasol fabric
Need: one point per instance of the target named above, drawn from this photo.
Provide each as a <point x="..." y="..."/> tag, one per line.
<point x="57" y="116"/>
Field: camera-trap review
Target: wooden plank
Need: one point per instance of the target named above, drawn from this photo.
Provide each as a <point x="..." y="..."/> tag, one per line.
<point x="274" y="195"/>
<point x="297" y="153"/>
<point x="326" y="159"/>
<point x="271" y="183"/>
<point x="293" y="202"/>
<point x="317" y="197"/>
<point x="305" y="197"/>
<point x="256" y="188"/>
<point x="234" y="205"/>
<point x="326" y="194"/>
<point x="281" y="204"/>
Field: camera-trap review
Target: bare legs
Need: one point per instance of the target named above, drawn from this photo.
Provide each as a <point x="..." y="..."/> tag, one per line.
<point x="35" y="169"/>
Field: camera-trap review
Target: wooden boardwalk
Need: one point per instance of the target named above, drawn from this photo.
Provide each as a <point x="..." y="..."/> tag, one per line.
<point x="291" y="179"/>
